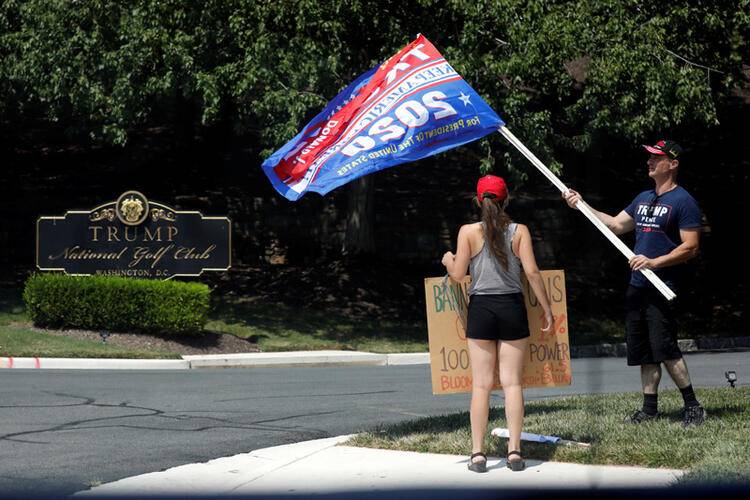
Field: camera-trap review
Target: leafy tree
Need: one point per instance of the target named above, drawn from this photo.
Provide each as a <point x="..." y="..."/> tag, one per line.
<point x="562" y="69"/>
<point x="566" y="72"/>
<point x="562" y="73"/>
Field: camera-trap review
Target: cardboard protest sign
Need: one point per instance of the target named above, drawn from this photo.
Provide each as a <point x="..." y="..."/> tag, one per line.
<point x="547" y="360"/>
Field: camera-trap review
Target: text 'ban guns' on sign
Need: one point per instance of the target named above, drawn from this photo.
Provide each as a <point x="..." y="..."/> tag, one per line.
<point x="547" y="359"/>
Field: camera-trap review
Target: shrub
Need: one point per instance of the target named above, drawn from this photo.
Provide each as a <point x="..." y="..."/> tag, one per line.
<point x="116" y="304"/>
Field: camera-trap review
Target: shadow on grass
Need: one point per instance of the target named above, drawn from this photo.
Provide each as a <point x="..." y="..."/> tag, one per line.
<point x="432" y="425"/>
<point x="206" y="339"/>
<point x="449" y="424"/>
<point x="712" y="411"/>
<point x="452" y="423"/>
<point x="563" y="404"/>
<point x="537" y="451"/>
<point x="255" y="339"/>
<point x="331" y="325"/>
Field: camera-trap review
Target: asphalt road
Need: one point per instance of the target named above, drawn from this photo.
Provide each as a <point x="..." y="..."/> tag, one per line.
<point x="61" y="431"/>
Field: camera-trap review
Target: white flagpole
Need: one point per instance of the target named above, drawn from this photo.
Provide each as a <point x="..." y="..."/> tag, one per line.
<point x="585" y="210"/>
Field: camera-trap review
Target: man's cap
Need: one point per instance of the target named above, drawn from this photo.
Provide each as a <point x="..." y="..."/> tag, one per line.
<point x="665" y="147"/>
<point x="491" y="184"/>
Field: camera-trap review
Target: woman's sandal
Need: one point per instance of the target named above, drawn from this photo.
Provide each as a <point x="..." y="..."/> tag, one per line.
<point x="481" y="465"/>
<point x="515" y="465"/>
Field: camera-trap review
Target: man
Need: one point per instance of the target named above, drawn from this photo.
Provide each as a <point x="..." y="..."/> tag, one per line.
<point x="667" y="223"/>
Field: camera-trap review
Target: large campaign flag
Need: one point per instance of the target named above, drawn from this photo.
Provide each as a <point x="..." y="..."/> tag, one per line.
<point x="412" y="106"/>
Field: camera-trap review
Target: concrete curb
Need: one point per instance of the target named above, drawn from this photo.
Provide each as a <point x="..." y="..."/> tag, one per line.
<point x="412" y="358"/>
<point x="306" y="358"/>
<point x="323" y="358"/>
<point x="241" y="360"/>
<point x="686" y="345"/>
<point x="597" y="351"/>
<point x="95" y="363"/>
<point x="285" y="359"/>
<point x="708" y="344"/>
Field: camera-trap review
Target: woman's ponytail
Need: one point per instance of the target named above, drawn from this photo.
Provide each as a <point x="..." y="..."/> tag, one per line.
<point x="496" y="223"/>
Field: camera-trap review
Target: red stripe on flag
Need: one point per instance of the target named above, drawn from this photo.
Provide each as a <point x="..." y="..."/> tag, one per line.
<point x="344" y="116"/>
<point x="421" y="89"/>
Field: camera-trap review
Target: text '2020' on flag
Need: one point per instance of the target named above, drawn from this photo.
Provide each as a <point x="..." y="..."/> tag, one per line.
<point x="412" y="106"/>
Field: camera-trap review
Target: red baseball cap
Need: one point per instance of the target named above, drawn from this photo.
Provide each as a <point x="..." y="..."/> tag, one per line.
<point x="665" y="147"/>
<point x="492" y="184"/>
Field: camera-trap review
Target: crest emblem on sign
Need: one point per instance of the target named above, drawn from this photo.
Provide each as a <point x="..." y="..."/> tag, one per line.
<point x="132" y="208"/>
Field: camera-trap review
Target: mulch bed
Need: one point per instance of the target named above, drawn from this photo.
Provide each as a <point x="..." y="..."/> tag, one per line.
<point x="206" y="343"/>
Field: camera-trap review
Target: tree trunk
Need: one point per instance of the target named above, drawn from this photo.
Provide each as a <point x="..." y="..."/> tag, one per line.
<point x="360" y="234"/>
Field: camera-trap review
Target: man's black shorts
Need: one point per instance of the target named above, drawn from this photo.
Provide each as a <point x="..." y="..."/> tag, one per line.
<point x="651" y="327"/>
<point x="497" y="317"/>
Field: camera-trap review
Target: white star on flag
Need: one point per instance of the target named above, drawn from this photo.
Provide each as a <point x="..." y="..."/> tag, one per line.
<point x="465" y="99"/>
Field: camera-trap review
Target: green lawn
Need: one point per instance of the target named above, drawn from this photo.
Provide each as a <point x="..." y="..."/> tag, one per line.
<point x="334" y="336"/>
<point x="272" y="328"/>
<point x="22" y="342"/>
<point x="277" y="327"/>
<point x="714" y="452"/>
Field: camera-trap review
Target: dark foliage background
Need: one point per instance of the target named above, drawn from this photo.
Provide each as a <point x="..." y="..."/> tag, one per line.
<point x="183" y="100"/>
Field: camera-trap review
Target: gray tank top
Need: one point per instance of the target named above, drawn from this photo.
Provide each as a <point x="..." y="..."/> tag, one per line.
<point x="487" y="274"/>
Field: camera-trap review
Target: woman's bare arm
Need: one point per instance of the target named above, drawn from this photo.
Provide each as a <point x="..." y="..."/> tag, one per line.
<point x="528" y="261"/>
<point x="458" y="264"/>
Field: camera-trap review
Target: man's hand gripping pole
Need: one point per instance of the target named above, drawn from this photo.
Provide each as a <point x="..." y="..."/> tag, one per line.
<point x="585" y="210"/>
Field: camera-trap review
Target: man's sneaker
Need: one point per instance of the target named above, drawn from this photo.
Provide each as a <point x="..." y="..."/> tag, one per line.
<point x="639" y="417"/>
<point x="693" y="416"/>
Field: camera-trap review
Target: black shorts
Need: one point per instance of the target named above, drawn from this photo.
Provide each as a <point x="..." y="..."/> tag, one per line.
<point x="651" y="327"/>
<point x="497" y="317"/>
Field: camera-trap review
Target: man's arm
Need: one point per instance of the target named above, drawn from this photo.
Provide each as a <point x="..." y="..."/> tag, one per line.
<point x="687" y="250"/>
<point x="619" y="224"/>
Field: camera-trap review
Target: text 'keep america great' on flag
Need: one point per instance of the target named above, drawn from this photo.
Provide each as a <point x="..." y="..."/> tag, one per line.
<point x="412" y="106"/>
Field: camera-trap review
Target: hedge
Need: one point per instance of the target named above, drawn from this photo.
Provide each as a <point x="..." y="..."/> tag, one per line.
<point x="116" y="304"/>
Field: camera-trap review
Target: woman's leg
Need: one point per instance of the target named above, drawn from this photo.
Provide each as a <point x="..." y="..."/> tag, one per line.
<point x="511" y="354"/>
<point x="483" y="357"/>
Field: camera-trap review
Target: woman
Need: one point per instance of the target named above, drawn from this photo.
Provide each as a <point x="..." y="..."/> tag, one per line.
<point x="494" y="251"/>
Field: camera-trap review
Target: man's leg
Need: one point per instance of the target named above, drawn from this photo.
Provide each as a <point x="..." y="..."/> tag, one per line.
<point x="677" y="369"/>
<point x="662" y="324"/>
<point x="694" y="412"/>
<point x="639" y="354"/>
<point x="650" y="378"/>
